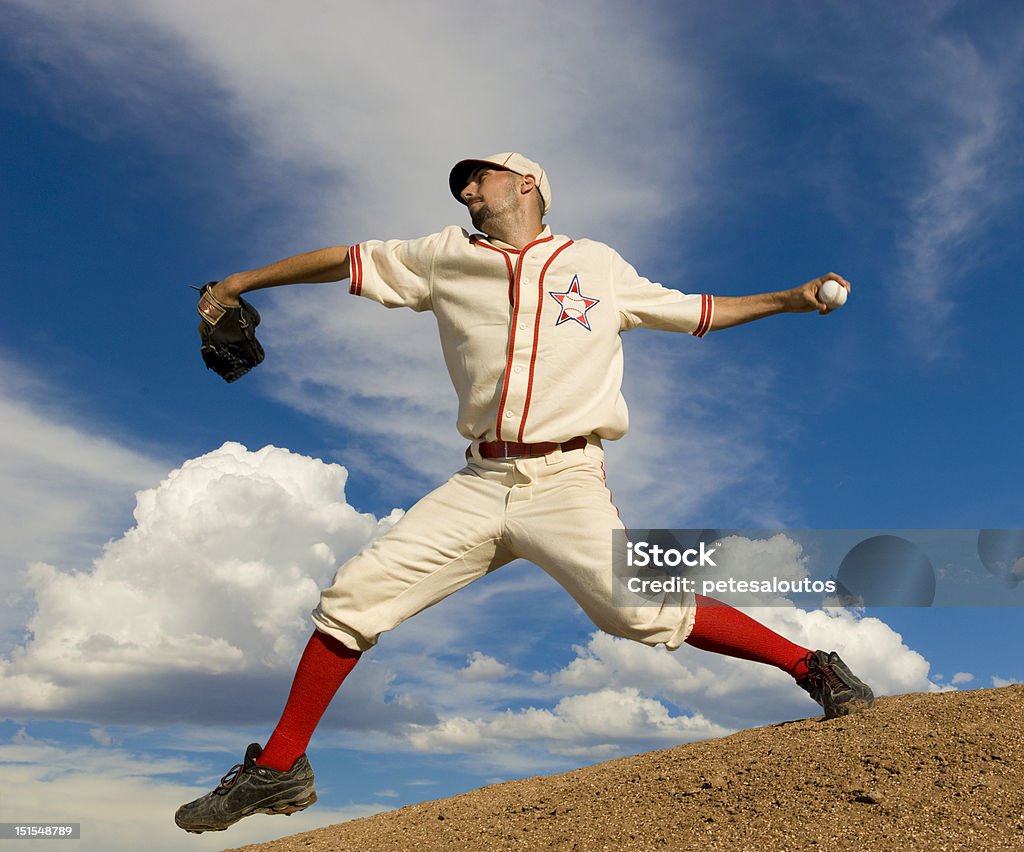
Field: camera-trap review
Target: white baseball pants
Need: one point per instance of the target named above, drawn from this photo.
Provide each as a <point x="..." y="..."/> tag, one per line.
<point x="554" y="510"/>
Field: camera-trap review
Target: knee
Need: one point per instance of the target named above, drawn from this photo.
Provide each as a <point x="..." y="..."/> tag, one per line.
<point x="648" y="625"/>
<point x="626" y="623"/>
<point x="345" y="630"/>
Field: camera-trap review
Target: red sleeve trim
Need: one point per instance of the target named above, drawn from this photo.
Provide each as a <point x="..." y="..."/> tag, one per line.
<point x="355" y="258"/>
<point x="707" y="315"/>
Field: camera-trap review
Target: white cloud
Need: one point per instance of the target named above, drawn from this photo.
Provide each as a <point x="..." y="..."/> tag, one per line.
<point x="378" y="374"/>
<point x="65" y="486"/>
<point x="125" y="801"/>
<point x="215" y="580"/>
<point x="101" y="736"/>
<point x="967" y="149"/>
<point x="719" y="686"/>
<point x="60" y="480"/>
<point x="944" y="100"/>
<point x="961" y="678"/>
<point x="595" y="725"/>
<point x="377" y="107"/>
<point x="479" y="666"/>
<point x="1003" y="681"/>
<point x="328" y="95"/>
<point x="383" y="103"/>
<point x="201" y="590"/>
<point x="714" y="684"/>
<point x="522" y="720"/>
<point x="673" y="464"/>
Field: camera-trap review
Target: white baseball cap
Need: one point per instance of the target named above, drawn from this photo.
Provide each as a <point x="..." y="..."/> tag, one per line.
<point x="511" y="162"/>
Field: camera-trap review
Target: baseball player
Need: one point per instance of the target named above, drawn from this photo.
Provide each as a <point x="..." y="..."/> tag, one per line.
<point x="530" y="324"/>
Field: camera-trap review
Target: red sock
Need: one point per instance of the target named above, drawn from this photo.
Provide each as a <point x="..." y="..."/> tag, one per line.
<point x="723" y="630"/>
<point x="325" y="663"/>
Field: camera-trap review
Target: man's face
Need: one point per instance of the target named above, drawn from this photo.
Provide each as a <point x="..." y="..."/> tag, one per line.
<point x="490" y="194"/>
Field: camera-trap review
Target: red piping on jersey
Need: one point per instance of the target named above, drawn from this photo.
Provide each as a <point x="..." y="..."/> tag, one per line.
<point x="536" y="335"/>
<point x="512" y="331"/>
<point x="355" y="270"/>
<point x="508" y="263"/>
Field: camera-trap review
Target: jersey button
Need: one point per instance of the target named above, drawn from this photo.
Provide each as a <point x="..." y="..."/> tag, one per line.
<point x="522" y="326"/>
<point x="508" y="415"/>
<point x="517" y="369"/>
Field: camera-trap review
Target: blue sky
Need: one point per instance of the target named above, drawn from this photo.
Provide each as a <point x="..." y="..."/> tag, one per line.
<point x="164" y="534"/>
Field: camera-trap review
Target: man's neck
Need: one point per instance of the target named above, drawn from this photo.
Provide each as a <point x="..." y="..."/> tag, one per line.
<point x="518" y="235"/>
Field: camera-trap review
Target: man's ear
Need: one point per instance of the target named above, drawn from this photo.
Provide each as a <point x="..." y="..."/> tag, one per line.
<point x="528" y="185"/>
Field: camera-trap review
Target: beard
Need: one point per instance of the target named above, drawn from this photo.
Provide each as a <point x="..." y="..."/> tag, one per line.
<point x="486" y="216"/>
<point x="480" y="217"/>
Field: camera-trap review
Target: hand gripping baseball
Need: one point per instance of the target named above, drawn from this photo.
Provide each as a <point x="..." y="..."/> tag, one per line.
<point x="228" y="333"/>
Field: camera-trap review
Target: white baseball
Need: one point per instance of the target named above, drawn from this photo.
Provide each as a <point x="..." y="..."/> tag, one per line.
<point x="832" y="293"/>
<point x="574" y="306"/>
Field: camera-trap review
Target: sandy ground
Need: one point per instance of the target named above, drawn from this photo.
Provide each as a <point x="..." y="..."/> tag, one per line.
<point x="917" y="772"/>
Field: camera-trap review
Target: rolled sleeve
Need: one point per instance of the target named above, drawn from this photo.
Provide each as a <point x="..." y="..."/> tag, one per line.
<point x="395" y="273"/>
<point x="644" y="304"/>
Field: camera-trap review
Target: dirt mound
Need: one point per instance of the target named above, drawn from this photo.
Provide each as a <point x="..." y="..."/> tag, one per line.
<point x="917" y="772"/>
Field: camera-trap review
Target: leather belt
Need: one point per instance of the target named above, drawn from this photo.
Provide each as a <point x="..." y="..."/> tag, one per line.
<point x="512" y="450"/>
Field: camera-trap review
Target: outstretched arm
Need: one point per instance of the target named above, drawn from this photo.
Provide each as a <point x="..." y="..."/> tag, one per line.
<point x="736" y="310"/>
<point x="314" y="267"/>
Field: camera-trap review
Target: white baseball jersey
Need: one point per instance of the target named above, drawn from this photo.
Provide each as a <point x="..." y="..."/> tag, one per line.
<point x="531" y="337"/>
<point x="531" y="340"/>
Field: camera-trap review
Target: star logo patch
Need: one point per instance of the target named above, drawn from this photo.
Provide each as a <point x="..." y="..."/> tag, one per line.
<point x="574" y="305"/>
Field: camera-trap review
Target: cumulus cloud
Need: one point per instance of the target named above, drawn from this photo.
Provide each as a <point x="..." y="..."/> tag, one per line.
<point x="203" y="601"/>
<point x="518" y="719"/>
<point x="61" y="480"/>
<point x="216" y="578"/>
<point x="716" y="685"/>
<point x="742" y="558"/>
<point x="65" y="485"/>
<point x="961" y="678"/>
<point x="595" y="725"/>
<point x="207" y="596"/>
<point x="124" y="800"/>
<point x="479" y="666"/>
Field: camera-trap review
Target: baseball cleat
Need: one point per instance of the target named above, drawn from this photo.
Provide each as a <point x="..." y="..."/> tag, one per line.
<point x="250" y="789"/>
<point x="831" y="683"/>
